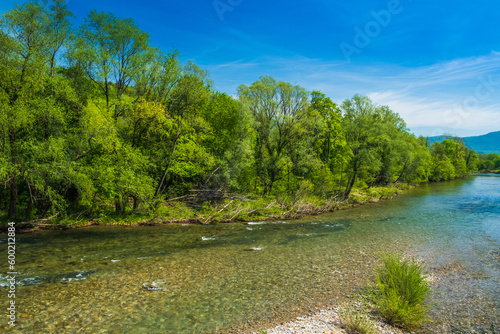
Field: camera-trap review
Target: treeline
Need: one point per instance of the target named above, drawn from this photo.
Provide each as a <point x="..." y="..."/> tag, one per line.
<point x="489" y="162"/>
<point x="93" y="118"/>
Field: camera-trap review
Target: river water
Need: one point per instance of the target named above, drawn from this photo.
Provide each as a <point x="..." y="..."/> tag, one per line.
<point x="237" y="277"/>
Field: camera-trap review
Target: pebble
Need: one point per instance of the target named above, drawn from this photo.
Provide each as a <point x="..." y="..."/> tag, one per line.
<point x="323" y="322"/>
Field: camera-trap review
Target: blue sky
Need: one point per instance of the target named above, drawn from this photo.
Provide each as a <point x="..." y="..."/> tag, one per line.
<point x="437" y="63"/>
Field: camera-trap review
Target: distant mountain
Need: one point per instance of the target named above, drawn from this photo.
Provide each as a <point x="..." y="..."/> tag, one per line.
<point x="488" y="143"/>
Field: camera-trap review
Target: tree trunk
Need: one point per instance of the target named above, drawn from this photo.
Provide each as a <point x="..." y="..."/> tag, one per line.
<point x="11" y="215"/>
<point x="349" y="186"/>
<point x="29" y="210"/>
<point x="106" y="92"/>
<point x="13" y="199"/>
<point x="136" y="203"/>
<point x="52" y="65"/>
<point x="46" y="128"/>
<point x="160" y="184"/>
<point x="402" y="172"/>
<point x="124" y="203"/>
<point x="341" y="177"/>
<point x="118" y="204"/>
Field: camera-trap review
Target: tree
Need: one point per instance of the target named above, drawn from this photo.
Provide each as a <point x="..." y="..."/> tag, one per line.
<point x="277" y="108"/>
<point x="23" y="58"/>
<point x="228" y="136"/>
<point x="112" y="51"/>
<point x="414" y="161"/>
<point x="457" y="152"/>
<point x="497" y="163"/>
<point x="120" y="120"/>
<point x="442" y="167"/>
<point x="361" y="127"/>
<point x="471" y="160"/>
<point x="332" y="140"/>
<point x="189" y="93"/>
<point x="59" y="31"/>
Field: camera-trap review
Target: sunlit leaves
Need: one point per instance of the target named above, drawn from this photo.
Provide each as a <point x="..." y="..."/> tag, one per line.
<point x="98" y="125"/>
<point x="110" y="50"/>
<point x="277" y="108"/>
<point x="121" y="123"/>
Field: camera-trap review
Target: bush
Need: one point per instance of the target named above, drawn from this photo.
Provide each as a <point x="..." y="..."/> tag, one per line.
<point x="355" y="322"/>
<point x="401" y="292"/>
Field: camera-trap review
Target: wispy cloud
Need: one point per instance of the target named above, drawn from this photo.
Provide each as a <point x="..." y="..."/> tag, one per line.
<point x="430" y="117"/>
<point x="238" y="63"/>
<point x="461" y="96"/>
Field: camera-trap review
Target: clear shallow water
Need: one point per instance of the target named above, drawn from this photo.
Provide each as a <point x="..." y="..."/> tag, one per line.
<point x="234" y="276"/>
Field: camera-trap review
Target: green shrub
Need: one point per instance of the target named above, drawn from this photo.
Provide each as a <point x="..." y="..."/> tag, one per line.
<point x="355" y="322"/>
<point x="401" y="292"/>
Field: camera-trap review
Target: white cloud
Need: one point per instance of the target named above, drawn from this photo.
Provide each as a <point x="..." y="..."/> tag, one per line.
<point x="434" y="117"/>
<point x="460" y="96"/>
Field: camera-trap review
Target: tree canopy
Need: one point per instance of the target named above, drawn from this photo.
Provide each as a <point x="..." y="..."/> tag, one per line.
<point x="93" y="118"/>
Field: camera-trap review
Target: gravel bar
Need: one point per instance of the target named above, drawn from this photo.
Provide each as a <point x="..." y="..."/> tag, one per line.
<point x="324" y="321"/>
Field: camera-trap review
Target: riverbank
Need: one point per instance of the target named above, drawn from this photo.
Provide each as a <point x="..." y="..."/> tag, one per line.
<point x="328" y="320"/>
<point x="228" y="210"/>
<point x="495" y="172"/>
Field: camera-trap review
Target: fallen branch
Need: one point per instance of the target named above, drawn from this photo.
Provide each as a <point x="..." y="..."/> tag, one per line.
<point x="176" y="198"/>
<point x="36" y="221"/>
<point x="239" y="211"/>
<point x="210" y="217"/>
<point x="270" y="204"/>
<point x="215" y="170"/>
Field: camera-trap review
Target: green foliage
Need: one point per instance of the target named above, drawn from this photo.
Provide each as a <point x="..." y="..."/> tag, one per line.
<point x="488" y="162"/>
<point x="356" y="322"/>
<point x="121" y="126"/>
<point x="378" y="141"/>
<point x="451" y="159"/>
<point x="401" y="291"/>
<point x="278" y="109"/>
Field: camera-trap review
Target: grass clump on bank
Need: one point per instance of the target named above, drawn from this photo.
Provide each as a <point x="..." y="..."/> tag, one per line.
<point x="356" y="322"/>
<point x="401" y="292"/>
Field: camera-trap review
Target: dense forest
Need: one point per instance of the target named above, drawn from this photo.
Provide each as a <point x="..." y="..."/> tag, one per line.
<point x="95" y="119"/>
<point x="489" y="162"/>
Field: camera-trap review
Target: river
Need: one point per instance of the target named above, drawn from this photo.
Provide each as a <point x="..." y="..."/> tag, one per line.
<point x="235" y="277"/>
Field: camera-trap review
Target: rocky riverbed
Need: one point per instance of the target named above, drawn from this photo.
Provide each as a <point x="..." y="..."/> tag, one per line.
<point x="324" y="321"/>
